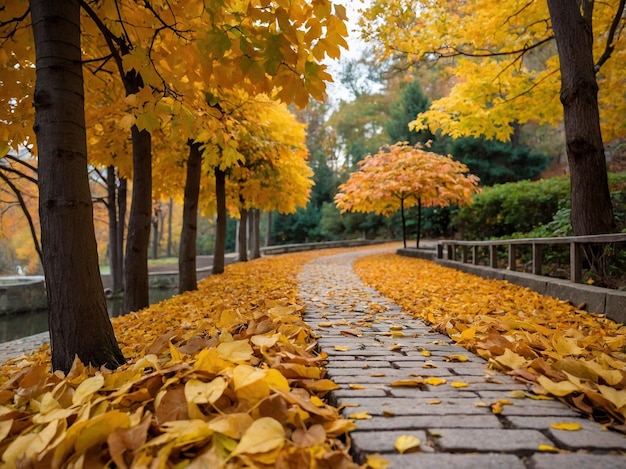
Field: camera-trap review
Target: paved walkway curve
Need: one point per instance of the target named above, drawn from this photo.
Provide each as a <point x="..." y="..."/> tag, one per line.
<point x="372" y="344"/>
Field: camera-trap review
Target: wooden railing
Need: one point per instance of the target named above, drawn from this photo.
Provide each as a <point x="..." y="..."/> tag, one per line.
<point x="449" y="248"/>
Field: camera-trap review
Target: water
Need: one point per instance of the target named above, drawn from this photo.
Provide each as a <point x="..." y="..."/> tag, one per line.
<point x="18" y="325"/>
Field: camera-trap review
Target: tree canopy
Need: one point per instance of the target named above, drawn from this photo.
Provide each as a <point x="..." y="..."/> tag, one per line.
<point x="401" y="176"/>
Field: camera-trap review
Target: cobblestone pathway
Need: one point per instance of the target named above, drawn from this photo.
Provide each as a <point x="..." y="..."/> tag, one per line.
<point x="373" y="348"/>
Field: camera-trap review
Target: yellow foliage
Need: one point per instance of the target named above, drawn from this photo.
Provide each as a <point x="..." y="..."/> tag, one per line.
<point x="224" y="377"/>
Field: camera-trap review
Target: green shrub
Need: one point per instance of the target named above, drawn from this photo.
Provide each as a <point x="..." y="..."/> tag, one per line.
<point x="504" y="209"/>
<point x="529" y="209"/>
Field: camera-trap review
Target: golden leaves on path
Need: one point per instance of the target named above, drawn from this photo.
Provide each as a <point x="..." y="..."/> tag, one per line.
<point x="576" y="356"/>
<point x="225" y="376"/>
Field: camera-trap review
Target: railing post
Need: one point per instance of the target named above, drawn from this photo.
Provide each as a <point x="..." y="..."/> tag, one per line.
<point x="537" y="258"/>
<point x="575" y="262"/>
<point x="439" y="251"/>
<point x="463" y="254"/>
<point x="450" y="251"/>
<point x="493" y="256"/>
<point x="475" y="255"/>
<point x="512" y="255"/>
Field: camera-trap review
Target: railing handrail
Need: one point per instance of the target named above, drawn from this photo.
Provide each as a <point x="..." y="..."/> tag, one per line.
<point x="602" y="238"/>
<point x="575" y="243"/>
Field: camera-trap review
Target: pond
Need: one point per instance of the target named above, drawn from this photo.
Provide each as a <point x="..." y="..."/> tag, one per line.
<point x="17" y="325"/>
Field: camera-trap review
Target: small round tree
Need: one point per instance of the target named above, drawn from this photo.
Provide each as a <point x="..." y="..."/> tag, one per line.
<point x="401" y="176"/>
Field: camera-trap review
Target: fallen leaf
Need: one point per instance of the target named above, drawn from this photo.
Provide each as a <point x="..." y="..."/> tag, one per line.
<point x="356" y="386"/>
<point x="265" y="434"/>
<point x="433" y="401"/>
<point x="456" y="358"/>
<point x="407" y="443"/>
<point x="458" y="384"/>
<point x="360" y="416"/>
<point x="567" y="426"/>
<point x="376" y="461"/>
<point x="342" y="348"/>
<point x="547" y="449"/>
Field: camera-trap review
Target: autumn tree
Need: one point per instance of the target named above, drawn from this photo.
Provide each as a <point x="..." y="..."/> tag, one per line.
<point x="401" y="176"/>
<point x="78" y="319"/>
<point x="508" y="71"/>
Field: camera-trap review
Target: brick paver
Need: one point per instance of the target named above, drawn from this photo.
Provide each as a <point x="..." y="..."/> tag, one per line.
<point x="373" y="348"/>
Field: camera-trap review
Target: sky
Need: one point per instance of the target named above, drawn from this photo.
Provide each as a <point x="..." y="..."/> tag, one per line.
<point x="336" y="91"/>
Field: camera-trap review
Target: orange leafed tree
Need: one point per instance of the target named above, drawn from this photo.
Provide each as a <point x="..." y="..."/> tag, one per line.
<point x="402" y="176"/>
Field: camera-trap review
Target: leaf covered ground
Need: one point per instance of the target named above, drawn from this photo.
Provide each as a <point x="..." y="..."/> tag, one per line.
<point x="227" y="376"/>
<point x="561" y="351"/>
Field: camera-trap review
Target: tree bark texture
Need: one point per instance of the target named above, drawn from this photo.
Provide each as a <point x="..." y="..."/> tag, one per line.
<point x="138" y="239"/>
<point x="114" y="247"/>
<point x="591" y="202"/>
<point x="220" y="231"/>
<point x="122" y="195"/>
<point x="187" y="251"/>
<point x="255" y="234"/>
<point x="242" y="234"/>
<point x="78" y="320"/>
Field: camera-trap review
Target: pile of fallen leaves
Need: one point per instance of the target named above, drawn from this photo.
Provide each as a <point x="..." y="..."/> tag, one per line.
<point x="226" y="376"/>
<point x="563" y="352"/>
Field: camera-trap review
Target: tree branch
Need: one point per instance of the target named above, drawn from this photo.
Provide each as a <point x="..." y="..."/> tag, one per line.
<point x="26" y="212"/>
<point x="609" y="40"/>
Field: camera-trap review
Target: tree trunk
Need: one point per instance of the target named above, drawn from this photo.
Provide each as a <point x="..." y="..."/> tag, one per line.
<point x="170" y="209"/>
<point x="268" y="232"/>
<point x="122" y="194"/>
<point x="155" y="234"/>
<point x="591" y="202"/>
<point x="242" y="235"/>
<point x="187" y="251"/>
<point x="136" y="261"/>
<point x="77" y="316"/>
<point x="113" y="230"/>
<point x="255" y="230"/>
<point x="403" y="222"/>
<point x="220" y="229"/>
<point x="419" y="222"/>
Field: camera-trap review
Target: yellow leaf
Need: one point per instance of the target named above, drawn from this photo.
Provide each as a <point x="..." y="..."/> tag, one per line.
<point x="30" y="444"/>
<point x="458" y="384"/>
<point x="232" y="425"/>
<point x="396" y="328"/>
<point x="406" y="443"/>
<point x="397" y="333"/>
<point x="376" y="461"/>
<point x="456" y="358"/>
<point x="434" y="381"/>
<point x="547" y="449"/>
<point x="360" y="416"/>
<point x="567" y="426"/>
<point x="434" y="401"/>
<point x="616" y="397"/>
<point x="356" y="386"/>
<point x="265" y="341"/>
<point x="567" y="346"/>
<point x="468" y="333"/>
<point x="511" y="360"/>
<point x="238" y="351"/>
<point x="265" y="434"/>
<point x="429" y="364"/>
<point x="562" y="388"/>
<point x="96" y="430"/>
<point x="426" y="353"/>
<point x="409" y="383"/>
<point x="324" y="324"/>
<point x="87" y="388"/>
<point x="342" y="348"/>
<point x="199" y="392"/>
